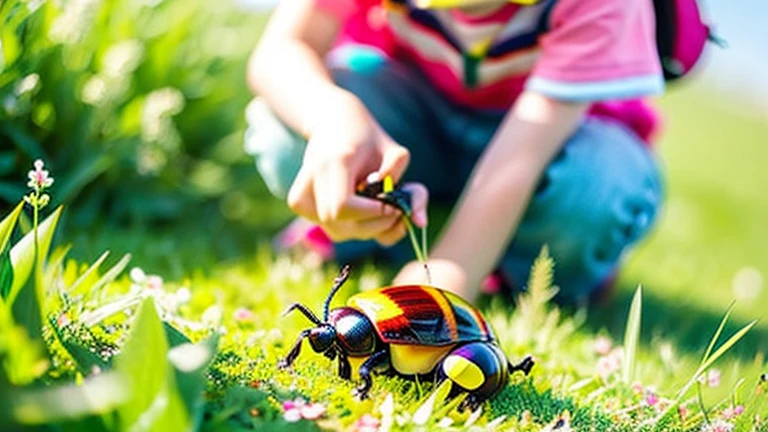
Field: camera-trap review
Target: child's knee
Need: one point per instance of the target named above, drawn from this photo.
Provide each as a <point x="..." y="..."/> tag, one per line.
<point x="600" y="195"/>
<point x="277" y="149"/>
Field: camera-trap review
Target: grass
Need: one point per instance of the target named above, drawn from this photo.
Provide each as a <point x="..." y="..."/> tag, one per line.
<point x="711" y="230"/>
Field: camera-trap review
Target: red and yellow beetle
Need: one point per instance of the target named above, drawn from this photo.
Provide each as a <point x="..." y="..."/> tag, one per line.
<point x="413" y="330"/>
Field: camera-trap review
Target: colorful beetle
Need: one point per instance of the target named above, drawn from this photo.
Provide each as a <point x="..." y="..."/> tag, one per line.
<point x="413" y="330"/>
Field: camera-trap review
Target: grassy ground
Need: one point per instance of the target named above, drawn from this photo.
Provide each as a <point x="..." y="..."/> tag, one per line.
<point x="707" y="251"/>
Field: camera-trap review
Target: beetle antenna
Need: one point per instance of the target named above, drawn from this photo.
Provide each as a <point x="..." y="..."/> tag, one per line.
<point x="303" y="309"/>
<point x="337" y="283"/>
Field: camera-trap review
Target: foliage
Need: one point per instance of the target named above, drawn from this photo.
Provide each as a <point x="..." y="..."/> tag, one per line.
<point x="140" y="101"/>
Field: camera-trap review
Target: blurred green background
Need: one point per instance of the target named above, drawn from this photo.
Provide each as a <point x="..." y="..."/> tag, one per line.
<point x="137" y="107"/>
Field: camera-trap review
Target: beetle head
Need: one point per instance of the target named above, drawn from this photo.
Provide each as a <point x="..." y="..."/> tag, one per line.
<point x="321" y="338"/>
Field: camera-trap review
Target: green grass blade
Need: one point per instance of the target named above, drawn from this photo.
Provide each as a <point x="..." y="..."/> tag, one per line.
<point x="632" y="336"/>
<point x="111" y="274"/>
<point x="717" y="333"/>
<point x="704" y="366"/>
<point x="76" y="289"/>
<point x="725" y="347"/>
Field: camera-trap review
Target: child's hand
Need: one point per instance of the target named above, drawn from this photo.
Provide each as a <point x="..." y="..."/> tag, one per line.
<point x="345" y="146"/>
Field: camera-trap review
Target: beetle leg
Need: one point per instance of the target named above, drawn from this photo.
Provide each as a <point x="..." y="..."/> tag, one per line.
<point x="525" y="365"/>
<point x="294" y="352"/>
<point x="471" y="402"/>
<point x="345" y="370"/>
<point x="377" y="361"/>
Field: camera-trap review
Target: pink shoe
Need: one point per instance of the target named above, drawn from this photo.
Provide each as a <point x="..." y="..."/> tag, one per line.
<point x="305" y="235"/>
<point x="492" y="284"/>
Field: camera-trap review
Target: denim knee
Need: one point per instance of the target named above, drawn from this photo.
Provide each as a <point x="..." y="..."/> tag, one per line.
<point x="598" y="196"/>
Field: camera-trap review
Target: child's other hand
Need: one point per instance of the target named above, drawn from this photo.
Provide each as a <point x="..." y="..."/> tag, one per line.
<point x="345" y="146"/>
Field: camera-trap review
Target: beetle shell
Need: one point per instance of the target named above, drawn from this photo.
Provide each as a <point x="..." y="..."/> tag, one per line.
<point x="422" y="315"/>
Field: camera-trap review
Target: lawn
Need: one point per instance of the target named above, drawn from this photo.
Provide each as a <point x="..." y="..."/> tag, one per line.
<point x="186" y="331"/>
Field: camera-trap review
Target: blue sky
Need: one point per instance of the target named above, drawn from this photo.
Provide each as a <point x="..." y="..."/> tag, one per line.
<point x="740" y="70"/>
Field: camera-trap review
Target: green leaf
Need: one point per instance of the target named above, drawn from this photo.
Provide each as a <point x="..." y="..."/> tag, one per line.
<point x="84" y="358"/>
<point x="7" y="225"/>
<point x="26" y="308"/>
<point x="143" y="361"/>
<point x="98" y="395"/>
<point x="23" y="253"/>
<point x="632" y="337"/>
<point x="190" y="362"/>
<point x="6" y="275"/>
<point x="175" y="337"/>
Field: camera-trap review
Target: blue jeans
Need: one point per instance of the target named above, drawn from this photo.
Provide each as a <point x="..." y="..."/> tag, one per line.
<point x="598" y="196"/>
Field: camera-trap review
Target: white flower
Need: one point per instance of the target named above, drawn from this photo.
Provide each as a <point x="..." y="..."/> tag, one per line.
<point x="212" y="316"/>
<point x="28" y="84"/>
<point x="183" y="295"/>
<point x="718" y="426"/>
<point x="123" y="58"/>
<point x="94" y="91"/>
<point x="138" y="275"/>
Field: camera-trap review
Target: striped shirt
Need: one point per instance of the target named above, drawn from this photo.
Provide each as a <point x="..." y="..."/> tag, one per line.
<point x="598" y="51"/>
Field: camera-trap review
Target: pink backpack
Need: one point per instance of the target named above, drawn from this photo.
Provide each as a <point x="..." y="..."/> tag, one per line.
<point x="681" y="35"/>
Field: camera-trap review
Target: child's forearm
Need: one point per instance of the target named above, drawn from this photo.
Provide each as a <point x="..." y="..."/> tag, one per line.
<point x="501" y="185"/>
<point x="287" y="66"/>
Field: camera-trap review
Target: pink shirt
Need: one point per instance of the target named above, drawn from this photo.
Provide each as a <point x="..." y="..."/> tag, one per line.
<point x="598" y="51"/>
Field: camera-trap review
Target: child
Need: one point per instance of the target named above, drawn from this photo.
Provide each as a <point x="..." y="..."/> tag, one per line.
<point x="526" y="115"/>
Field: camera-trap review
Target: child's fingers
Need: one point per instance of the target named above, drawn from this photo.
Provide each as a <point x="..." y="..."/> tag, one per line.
<point x="419" y="202"/>
<point x="300" y="197"/>
<point x="373" y="228"/>
<point x="332" y="186"/>
<point x="394" y="161"/>
<point x="392" y="235"/>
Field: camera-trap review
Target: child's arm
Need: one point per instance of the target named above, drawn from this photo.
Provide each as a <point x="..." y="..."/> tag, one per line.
<point x="497" y="193"/>
<point x="345" y="142"/>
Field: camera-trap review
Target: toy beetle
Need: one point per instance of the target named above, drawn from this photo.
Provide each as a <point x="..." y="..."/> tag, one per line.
<point x="412" y="330"/>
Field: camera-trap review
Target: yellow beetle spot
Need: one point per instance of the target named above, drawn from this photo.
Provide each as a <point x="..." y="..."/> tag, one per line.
<point x="463" y="372"/>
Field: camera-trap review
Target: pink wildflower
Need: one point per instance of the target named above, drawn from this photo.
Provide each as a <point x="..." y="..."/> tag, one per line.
<point x="292" y="410"/>
<point x="682" y="410"/>
<point x="63" y="320"/>
<point x="297" y="409"/>
<point x="637" y="387"/>
<point x="711" y="378"/>
<point x="154" y="282"/>
<point x="38" y="177"/>
<point x="366" y="423"/>
<point x="732" y="411"/>
<point x="651" y="398"/>
<point x="608" y="365"/>
<point x="718" y="426"/>
<point x="243" y="315"/>
<point x="312" y="411"/>
<point x="603" y="345"/>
